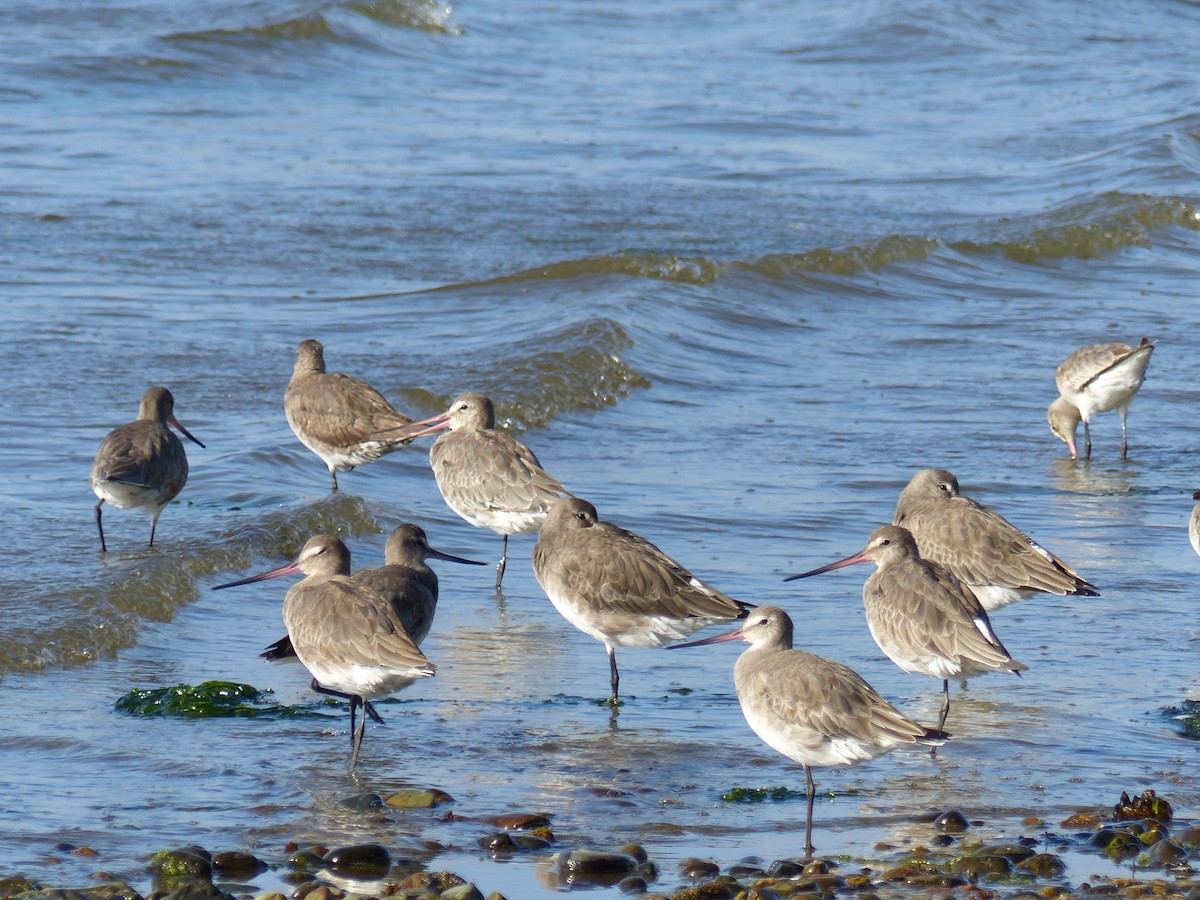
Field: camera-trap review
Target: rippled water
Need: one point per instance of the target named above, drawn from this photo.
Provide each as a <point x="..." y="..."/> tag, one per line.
<point x="734" y="272"/>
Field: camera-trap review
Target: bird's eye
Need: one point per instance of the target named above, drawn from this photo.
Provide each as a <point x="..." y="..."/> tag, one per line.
<point x="885" y="542"/>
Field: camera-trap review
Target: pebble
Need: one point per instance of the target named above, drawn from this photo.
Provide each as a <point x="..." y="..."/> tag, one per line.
<point x="418" y="799"/>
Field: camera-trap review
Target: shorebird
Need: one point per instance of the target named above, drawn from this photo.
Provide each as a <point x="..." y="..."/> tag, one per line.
<point x="923" y="618"/>
<point x="346" y="635"/>
<point x="410" y="586"/>
<point x="1092" y="380"/>
<point x="142" y="464"/>
<point x="811" y="709"/>
<point x="339" y="418"/>
<point x="617" y="587"/>
<point x="994" y="558"/>
<point x="487" y="477"/>
<point x="1194" y="524"/>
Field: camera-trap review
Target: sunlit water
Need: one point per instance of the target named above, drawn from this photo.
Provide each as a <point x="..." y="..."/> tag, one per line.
<point x="735" y="273"/>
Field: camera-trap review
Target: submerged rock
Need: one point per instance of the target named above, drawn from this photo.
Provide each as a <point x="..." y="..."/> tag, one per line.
<point x="603" y="867"/>
<point x="360" y="860"/>
<point x="186" y="862"/>
<point x="418" y="799"/>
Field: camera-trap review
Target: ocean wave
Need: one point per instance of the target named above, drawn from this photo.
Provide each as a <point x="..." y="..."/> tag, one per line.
<point x="1084" y="230"/>
<point x="544" y="374"/>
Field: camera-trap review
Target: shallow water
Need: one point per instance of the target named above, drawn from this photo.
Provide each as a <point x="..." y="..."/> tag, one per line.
<point x="735" y="273"/>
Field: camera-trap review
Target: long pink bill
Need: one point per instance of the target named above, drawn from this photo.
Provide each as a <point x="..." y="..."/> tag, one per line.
<point x="187" y="434"/>
<point x="716" y="639"/>
<point x="418" y="429"/>
<point x="859" y="557"/>
<point x="290" y="569"/>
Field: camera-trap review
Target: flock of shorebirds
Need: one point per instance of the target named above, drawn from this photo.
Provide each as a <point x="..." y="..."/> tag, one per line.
<point x="944" y="563"/>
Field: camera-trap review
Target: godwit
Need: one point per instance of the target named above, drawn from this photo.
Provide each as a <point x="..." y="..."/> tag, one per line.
<point x="410" y="586"/>
<point x="346" y="635"/>
<point x="617" y="587"/>
<point x="142" y="464"/>
<point x="487" y="477"/>
<point x="923" y="618"/>
<point x="981" y="548"/>
<point x="1194" y="524"/>
<point x="811" y="709"/>
<point x="1092" y="380"/>
<point x="337" y="417"/>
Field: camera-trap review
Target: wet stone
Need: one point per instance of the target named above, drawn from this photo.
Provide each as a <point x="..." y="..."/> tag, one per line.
<point x="1146" y="806"/>
<point x="500" y="842"/>
<point x="530" y="842"/>
<point x="951" y="822"/>
<point x="365" y="802"/>
<point x="269" y="895"/>
<point x="437" y="881"/>
<point x="360" y="859"/>
<point x="325" y="892"/>
<point x="307" y="860"/>
<point x="1013" y="852"/>
<point x="637" y="851"/>
<point x="1043" y="865"/>
<point x="975" y="866"/>
<point x="1080" y="820"/>
<point x="1189" y="837"/>
<point x="462" y="892"/>
<point x="522" y="821"/>
<point x="698" y="868"/>
<point x="784" y="868"/>
<point x="713" y="890"/>
<point x="1167" y="851"/>
<point x="17" y="884"/>
<point x="185" y="862"/>
<point x="600" y="866"/>
<point x="236" y="864"/>
<point x="634" y="884"/>
<point x="192" y="889"/>
<point x="418" y="799"/>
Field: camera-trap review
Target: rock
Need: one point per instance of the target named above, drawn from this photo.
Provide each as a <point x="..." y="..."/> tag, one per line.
<point x="951" y="822"/>
<point x="634" y="884"/>
<point x="462" y="892"/>
<point x="1148" y="806"/>
<point x="594" y="867"/>
<point x="192" y="889"/>
<point x="637" y="851"/>
<point x="17" y="884"/>
<point x="324" y="892"/>
<point x="360" y="860"/>
<point x="698" y="868"/>
<point x="362" y="802"/>
<point x="500" y="842"/>
<point x="1042" y="865"/>
<point x="437" y="881"/>
<point x="518" y="820"/>
<point x="784" y="868"/>
<point x="185" y="862"/>
<point x="1167" y="851"/>
<point x="269" y="895"/>
<point x="235" y="864"/>
<point x="1012" y="852"/>
<point x="308" y="860"/>
<point x="530" y="842"/>
<point x="1080" y="820"/>
<point x="418" y="799"/>
<point x="713" y="890"/>
<point x="974" y="866"/>
<point x="1189" y="837"/>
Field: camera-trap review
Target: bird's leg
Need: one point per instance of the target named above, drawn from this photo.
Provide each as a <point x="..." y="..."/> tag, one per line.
<point x="812" y="793"/>
<point x="614" y="677"/>
<point x="357" y="736"/>
<point x="945" y="711"/>
<point x="1124" y="411"/>
<point x="369" y="709"/>
<point x="153" y="526"/>
<point x="333" y="476"/>
<point x="367" y="705"/>
<point x="1087" y="441"/>
<point x="500" y="566"/>
<point x="100" y="528"/>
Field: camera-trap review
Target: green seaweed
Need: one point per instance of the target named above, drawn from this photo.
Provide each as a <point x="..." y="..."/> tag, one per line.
<point x="209" y="699"/>
<point x="1187" y="715"/>
<point x="759" y="795"/>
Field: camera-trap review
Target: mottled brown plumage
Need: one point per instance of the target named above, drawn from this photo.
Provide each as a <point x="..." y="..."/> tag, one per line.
<point x="142" y="464"/>
<point x="994" y="558"/>
<point x="1095" y="379"/>
<point x="617" y="587"/>
<point x="812" y="710"/>
<point x="410" y="586"/>
<point x="346" y="635"/>
<point x="924" y="619"/>
<point x="344" y="421"/>
<point x="490" y="479"/>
